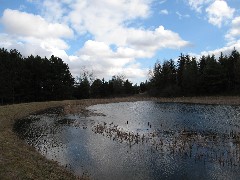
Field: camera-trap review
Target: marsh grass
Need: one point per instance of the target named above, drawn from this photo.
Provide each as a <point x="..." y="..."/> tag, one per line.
<point x="21" y="161"/>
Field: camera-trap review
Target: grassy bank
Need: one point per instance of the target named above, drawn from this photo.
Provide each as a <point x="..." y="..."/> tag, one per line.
<point x="17" y="159"/>
<point x="20" y="161"/>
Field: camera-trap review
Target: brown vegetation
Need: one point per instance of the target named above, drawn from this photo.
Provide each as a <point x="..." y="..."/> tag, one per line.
<point x="21" y="161"/>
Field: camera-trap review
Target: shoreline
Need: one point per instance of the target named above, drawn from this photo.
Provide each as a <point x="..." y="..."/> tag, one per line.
<point x="21" y="161"/>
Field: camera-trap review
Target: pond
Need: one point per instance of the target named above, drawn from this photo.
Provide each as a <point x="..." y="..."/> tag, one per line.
<point x="140" y="140"/>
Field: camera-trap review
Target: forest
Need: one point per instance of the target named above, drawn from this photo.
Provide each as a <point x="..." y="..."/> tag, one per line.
<point x="191" y="77"/>
<point x="28" y="79"/>
<point x="33" y="78"/>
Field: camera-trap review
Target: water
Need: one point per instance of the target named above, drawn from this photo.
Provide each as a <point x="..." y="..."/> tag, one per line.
<point x="140" y="140"/>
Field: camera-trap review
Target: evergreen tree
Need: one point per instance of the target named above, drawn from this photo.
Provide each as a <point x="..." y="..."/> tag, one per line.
<point x="118" y="84"/>
<point x="33" y="78"/>
<point x="143" y="86"/>
<point x="97" y="88"/>
<point x="156" y="80"/>
<point x="213" y="75"/>
<point x="128" y="87"/>
<point x="61" y="79"/>
<point x="190" y="77"/>
<point x="236" y="57"/>
<point x="180" y="69"/>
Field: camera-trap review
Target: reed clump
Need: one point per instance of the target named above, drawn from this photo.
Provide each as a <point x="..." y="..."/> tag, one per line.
<point x="18" y="160"/>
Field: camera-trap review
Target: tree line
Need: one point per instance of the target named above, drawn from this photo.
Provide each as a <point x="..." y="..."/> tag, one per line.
<point x="86" y="87"/>
<point x="33" y="78"/>
<point x="189" y="77"/>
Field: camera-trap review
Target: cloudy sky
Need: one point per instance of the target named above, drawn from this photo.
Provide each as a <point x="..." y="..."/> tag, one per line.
<point x="111" y="37"/>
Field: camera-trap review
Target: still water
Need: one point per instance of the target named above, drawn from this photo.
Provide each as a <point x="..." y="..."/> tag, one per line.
<point x="140" y="140"/>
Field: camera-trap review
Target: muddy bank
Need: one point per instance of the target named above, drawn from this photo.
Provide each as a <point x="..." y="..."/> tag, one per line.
<point x="21" y="161"/>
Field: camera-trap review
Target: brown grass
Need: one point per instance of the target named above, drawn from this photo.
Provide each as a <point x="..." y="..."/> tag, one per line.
<point x="21" y="161"/>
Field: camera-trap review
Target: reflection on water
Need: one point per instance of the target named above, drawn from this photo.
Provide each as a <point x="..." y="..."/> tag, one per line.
<point x="140" y="140"/>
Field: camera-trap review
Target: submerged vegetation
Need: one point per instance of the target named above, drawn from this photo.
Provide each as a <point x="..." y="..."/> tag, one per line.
<point x="206" y="146"/>
<point x="194" y="136"/>
<point x="20" y="161"/>
<point x="28" y="79"/>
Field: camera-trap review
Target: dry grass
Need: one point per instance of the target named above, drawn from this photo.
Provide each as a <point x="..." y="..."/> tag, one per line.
<point x="17" y="159"/>
<point x="20" y="161"/>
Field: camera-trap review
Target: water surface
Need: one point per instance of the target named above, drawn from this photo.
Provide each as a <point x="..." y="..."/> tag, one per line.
<point x="141" y="140"/>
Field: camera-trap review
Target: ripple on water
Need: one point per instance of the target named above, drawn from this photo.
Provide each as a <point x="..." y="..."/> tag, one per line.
<point x="140" y="140"/>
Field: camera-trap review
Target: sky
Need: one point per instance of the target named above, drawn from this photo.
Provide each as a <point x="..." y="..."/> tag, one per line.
<point x="119" y="37"/>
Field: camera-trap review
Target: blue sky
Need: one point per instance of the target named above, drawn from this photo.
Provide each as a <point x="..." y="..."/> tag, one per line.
<point x="122" y="36"/>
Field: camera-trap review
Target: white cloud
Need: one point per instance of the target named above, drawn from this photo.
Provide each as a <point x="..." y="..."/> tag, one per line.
<point x="54" y="7"/>
<point x="94" y="16"/>
<point x="197" y="5"/>
<point x="24" y="24"/>
<point x="181" y="16"/>
<point x="153" y="40"/>
<point x="5" y="40"/>
<point x="162" y="2"/>
<point x="31" y="34"/>
<point x="225" y="50"/>
<point x="104" y="62"/>
<point x="34" y="46"/>
<point x="108" y="23"/>
<point x="13" y="42"/>
<point x="164" y="12"/>
<point x="141" y="44"/>
<point x="234" y="32"/>
<point x="56" y="10"/>
<point x="219" y="12"/>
